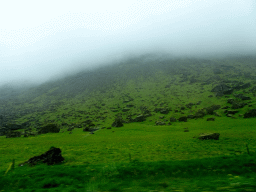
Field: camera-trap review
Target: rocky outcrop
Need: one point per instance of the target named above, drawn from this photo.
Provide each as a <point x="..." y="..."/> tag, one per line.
<point x="50" y="128"/>
<point x="183" y="118"/>
<point x="50" y="157"/>
<point x="118" y="122"/>
<point x="251" y="113"/>
<point x="207" y="136"/>
<point x="12" y="134"/>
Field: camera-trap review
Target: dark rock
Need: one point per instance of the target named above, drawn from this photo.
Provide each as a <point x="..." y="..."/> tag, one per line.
<point x="173" y="119"/>
<point x="160" y="123"/>
<point x="200" y="113"/>
<point x="211" y="119"/>
<point x="50" y="128"/>
<point x="230" y="100"/>
<point x="221" y="88"/>
<point x="251" y="113"/>
<point x="199" y="102"/>
<point x="191" y="116"/>
<point x="13" y="127"/>
<point x="118" y="122"/>
<point x="189" y="105"/>
<point x="51" y="157"/>
<point x="211" y="109"/>
<point x="70" y="128"/>
<point x="216" y="114"/>
<point x="125" y="109"/>
<point x="242" y="97"/>
<point x="232" y="112"/>
<point x="237" y="105"/>
<point x="139" y="118"/>
<point x="207" y="136"/>
<point x="12" y="134"/>
<point x="162" y="110"/>
<point x="183" y="118"/>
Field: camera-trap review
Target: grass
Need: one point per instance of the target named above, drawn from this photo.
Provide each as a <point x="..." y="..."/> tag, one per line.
<point x="165" y="154"/>
<point x="214" y="174"/>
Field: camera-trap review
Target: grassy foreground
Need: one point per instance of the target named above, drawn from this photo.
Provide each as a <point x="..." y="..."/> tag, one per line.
<point x="138" y="157"/>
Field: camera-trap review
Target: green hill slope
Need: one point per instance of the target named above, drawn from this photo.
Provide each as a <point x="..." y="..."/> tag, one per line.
<point x="180" y="86"/>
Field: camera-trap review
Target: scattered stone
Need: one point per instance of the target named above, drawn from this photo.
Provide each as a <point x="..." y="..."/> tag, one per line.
<point x="232" y="112"/>
<point x="183" y="118"/>
<point x="237" y="105"/>
<point x="13" y="134"/>
<point x="200" y="113"/>
<point x="173" y="119"/>
<point x="50" y="157"/>
<point x="118" y="122"/>
<point x="230" y="100"/>
<point x="160" y="123"/>
<point x="242" y="97"/>
<point x="207" y="136"/>
<point x="50" y="128"/>
<point x="211" y="109"/>
<point x="139" y="118"/>
<point x="211" y="119"/>
<point x="191" y="116"/>
<point x="199" y="102"/>
<point x="251" y="113"/>
<point x="216" y="114"/>
<point x="125" y="109"/>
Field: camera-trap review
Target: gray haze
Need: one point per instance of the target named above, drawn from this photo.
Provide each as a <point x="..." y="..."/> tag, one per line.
<point x="40" y="40"/>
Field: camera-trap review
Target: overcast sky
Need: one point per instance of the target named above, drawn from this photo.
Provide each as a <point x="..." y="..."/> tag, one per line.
<point x="43" y="38"/>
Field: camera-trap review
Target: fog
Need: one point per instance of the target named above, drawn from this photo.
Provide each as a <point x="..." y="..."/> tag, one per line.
<point x="41" y="40"/>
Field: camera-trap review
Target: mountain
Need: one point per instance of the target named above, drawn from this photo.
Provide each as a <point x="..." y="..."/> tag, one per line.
<point x="149" y="88"/>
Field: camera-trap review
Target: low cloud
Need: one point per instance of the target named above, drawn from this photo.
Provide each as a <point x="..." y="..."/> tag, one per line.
<point x="37" y="46"/>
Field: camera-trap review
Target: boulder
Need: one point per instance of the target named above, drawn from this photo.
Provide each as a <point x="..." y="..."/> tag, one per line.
<point x="125" y="109"/>
<point x="191" y="116"/>
<point x="50" y="128"/>
<point x="207" y="136"/>
<point x="12" y="134"/>
<point x="210" y="119"/>
<point x="232" y="112"/>
<point x="139" y="118"/>
<point x="183" y="118"/>
<point x="160" y="123"/>
<point x="200" y="113"/>
<point x="173" y="119"/>
<point x="238" y="105"/>
<point x="118" y="122"/>
<point x="230" y="100"/>
<point x="251" y="113"/>
<point x="212" y="108"/>
<point x="50" y="157"/>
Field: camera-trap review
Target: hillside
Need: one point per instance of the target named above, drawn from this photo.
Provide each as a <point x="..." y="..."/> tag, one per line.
<point x="137" y="125"/>
<point x="162" y="86"/>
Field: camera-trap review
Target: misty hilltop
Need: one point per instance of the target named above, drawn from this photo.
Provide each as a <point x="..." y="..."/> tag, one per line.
<point x="152" y="84"/>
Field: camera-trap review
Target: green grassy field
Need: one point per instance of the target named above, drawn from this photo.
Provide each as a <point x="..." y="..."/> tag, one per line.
<point x="136" y="142"/>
